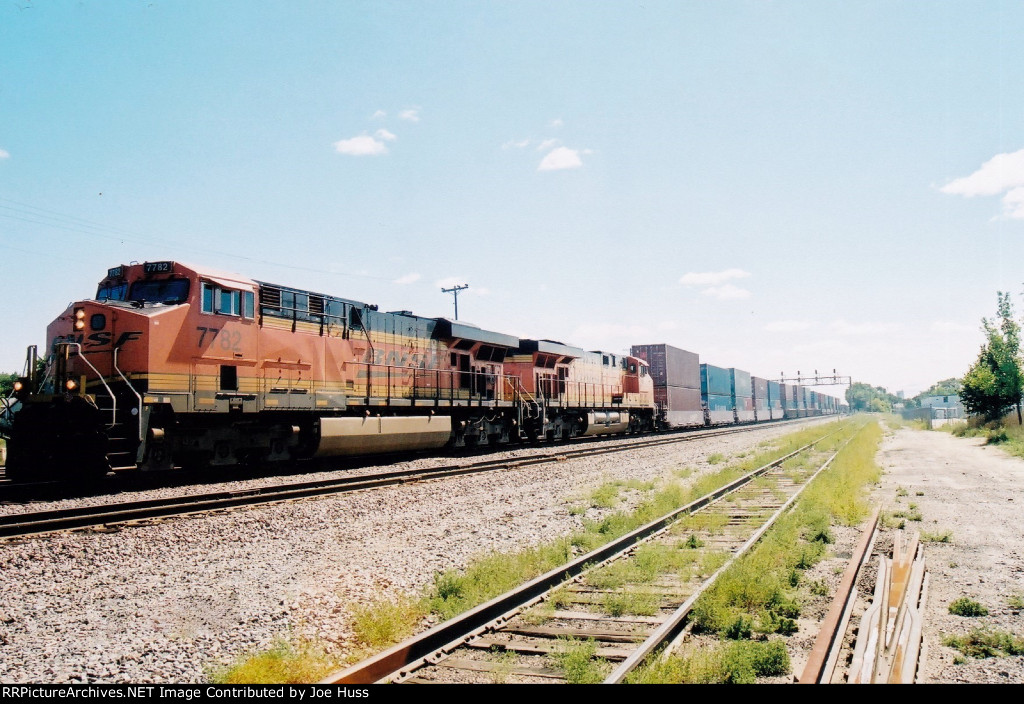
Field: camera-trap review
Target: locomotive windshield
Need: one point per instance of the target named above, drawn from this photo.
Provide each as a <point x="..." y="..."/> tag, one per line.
<point x="112" y="292"/>
<point x="165" y="291"/>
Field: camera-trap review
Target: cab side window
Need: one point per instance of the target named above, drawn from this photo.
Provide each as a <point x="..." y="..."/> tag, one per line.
<point x="226" y="301"/>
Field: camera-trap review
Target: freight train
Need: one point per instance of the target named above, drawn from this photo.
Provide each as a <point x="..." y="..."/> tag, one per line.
<point x="178" y="365"/>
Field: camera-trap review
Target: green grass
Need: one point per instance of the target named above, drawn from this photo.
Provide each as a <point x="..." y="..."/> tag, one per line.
<point x="578" y="661"/>
<point x="283" y="663"/>
<point x="605" y="496"/>
<point x="1005" y="432"/>
<point x="386" y="621"/>
<point x="621" y="603"/>
<point x="981" y="643"/>
<point x="716" y="458"/>
<point x="967" y="607"/>
<point x="736" y="662"/>
<point x="762" y="587"/>
<point x="1015" y="601"/>
<point x="945" y="536"/>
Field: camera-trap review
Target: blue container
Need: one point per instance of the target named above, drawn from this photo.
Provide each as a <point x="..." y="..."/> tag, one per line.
<point x="715" y="381"/>
<point x="739" y="383"/>
<point x="717" y="403"/>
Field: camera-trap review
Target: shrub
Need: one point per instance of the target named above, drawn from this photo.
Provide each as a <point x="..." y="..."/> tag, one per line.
<point x="986" y="644"/>
<point x="967" y="607"/>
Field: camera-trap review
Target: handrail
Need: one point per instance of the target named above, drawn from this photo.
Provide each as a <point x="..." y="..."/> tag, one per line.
<point x="113" y="398"/>
<point x="132" y="388"/>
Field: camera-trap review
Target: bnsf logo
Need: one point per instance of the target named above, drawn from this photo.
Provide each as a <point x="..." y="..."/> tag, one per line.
<point x="99" y="339"/>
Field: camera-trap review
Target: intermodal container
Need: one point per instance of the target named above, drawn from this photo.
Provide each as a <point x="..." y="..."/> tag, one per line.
<point x="670" y="366"/>
<point x="682" y="406"/>
<point x="715" y="381"/>
<point x="720" y="407"/>
<point x="760" y="387"/>
<point x="775" y="399"/>
<point x="739" y="383"/>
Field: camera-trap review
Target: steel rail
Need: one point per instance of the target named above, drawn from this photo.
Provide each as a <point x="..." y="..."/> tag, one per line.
<point x="432" y="645"/>
<point x="673" y="626"/>
<point x="16" y="525"/>
<point x="824" y="653"/>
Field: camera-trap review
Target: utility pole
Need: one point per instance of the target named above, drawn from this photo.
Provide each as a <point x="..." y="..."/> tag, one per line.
<point x="455" y="292"/>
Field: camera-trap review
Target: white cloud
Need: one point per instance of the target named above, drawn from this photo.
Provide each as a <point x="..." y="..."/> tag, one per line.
<point x="560" y="158"/>
<point x="843" y="327"/>
<point x="516" y="145"/>
<point x="1000" y="173"/>
<point x="377" y="115"/>
<point x="557" y="122"/>
<point x="1003" y="173"/>
<point x="947" y="326"/>
<point x="407" y="279"/>
<point x="363" y="145"/>
<point x="4" y="154"/>
<point x="411" y="114"/>
<point x="727" y="292"/>
<point x="385" y="135"/>
<point x="547" y="144"/>
<point x="712" y="278"/>
<point x="481" y="291"/>
<point x="1013" y="204"/>
<point x="668" y="325"/>
<point x="787" y="326"/>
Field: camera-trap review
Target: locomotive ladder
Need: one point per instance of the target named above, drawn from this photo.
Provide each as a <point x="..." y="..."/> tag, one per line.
<point x="528" y="406"/>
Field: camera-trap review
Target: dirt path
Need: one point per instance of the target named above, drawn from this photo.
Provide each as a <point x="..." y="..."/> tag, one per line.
<point x="976" y="493"/>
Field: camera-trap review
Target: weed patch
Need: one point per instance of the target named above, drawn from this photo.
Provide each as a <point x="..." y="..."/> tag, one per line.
<point x="967" y="607"/>
<point x="981" y="643"/>
<point x="386" y="621"/>
<point x="736" y="662"/>
<point x="283" y="663"/>
<point x="578" y="662"/>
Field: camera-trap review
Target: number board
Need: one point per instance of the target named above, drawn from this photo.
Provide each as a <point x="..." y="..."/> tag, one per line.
<point x="157" y="267"/>
<point x="115" y="273"/>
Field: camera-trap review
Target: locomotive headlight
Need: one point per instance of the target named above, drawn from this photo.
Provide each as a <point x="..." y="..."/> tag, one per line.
<point x="79" y="318"/>
<point x="70" y="384"/>
<point x="18" y="386"/>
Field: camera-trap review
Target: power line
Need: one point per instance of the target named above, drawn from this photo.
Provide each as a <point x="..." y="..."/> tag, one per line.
<point x="94" y="229"/>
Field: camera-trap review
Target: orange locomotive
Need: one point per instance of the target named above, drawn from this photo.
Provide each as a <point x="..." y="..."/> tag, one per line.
<point x="178" y="365"/>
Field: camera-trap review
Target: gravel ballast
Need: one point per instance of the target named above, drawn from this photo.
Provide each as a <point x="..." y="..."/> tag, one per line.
<point x="168" y="601"/>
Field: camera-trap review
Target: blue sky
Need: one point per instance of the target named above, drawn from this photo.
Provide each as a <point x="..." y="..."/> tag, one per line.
<point x="778" y="186"/>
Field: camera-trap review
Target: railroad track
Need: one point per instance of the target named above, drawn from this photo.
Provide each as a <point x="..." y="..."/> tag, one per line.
<point x="613" y="607"/>
<point x="887" y="644"/>
<point x="110" y="515"/>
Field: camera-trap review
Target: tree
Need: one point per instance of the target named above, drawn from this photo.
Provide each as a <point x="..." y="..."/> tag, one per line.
<point x="864" y="397"/>
<point x="994" y="382"/>
<point x="7" y="384"/>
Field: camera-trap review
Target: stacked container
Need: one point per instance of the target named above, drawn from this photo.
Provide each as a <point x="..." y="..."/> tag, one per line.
<point x="676" y="376"/>
<point x="760" y="387"/>
<point x="741" y="389"/>
<point x="774" y="400"/>
<point x="716" y="394"/>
